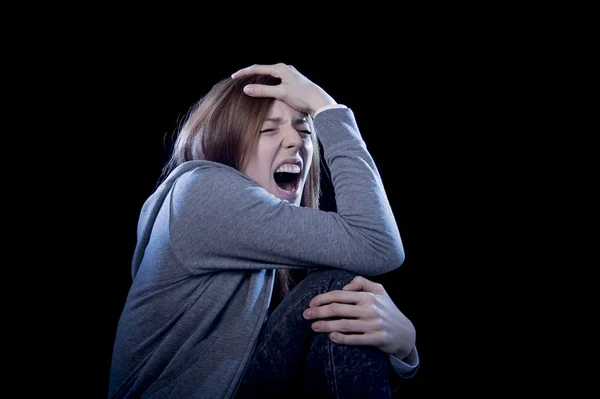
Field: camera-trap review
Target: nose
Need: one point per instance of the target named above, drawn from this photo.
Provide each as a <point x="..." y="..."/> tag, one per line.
<point x="292" y="139"/>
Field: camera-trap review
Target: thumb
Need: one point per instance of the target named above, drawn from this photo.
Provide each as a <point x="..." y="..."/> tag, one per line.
<point x="352" y="286"/>
<point x="362" y="284"/>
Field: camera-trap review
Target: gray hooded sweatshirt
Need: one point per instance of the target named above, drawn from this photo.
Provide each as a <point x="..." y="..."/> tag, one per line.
<point x="209" y="240"/>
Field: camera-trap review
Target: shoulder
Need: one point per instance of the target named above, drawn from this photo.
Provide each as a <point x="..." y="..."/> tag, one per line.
<point x="208" y="172"/>
<point x="209" y="181"/>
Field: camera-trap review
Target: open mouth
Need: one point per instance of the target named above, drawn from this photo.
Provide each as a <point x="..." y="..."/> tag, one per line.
<point x="287" y="181"/>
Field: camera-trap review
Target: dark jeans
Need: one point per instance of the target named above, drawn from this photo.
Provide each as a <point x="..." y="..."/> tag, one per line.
<point x="292" y="359"/>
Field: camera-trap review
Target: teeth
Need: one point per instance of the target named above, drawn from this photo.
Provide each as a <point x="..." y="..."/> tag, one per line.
<point x="288" y="168"/>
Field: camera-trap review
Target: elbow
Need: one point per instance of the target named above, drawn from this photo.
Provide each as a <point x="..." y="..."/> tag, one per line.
<point x="399" y="253"/>
<point x="384" y="261"/>
<point x="398" y="258"/>
<point x="393" y="261"/>
<point x="374" y="255"/>
<point x="394" y="256"/>
<point x="391" y="253"/>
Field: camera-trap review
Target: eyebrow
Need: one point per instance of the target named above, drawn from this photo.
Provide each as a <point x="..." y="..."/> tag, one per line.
<point x="297" y="121"/>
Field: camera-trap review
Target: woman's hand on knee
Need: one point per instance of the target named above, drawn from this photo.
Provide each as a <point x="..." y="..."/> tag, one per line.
<point x="368" y="315"/>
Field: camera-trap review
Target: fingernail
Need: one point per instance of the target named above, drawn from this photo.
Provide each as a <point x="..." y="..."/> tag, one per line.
<point x="247" y="89"/>
<point x="307" y="313"/>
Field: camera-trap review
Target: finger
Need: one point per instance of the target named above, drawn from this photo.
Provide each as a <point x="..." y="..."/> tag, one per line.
<point x="337" y="310"/>
<point x="338" y="296"/>
<point x="352" y="286"/>
<point x="360" y="283"/>
<point x="346" y="326"/>
<point x="260" y="69"/>
<point x="257" y="90"/>
<point x="369" y="339"/>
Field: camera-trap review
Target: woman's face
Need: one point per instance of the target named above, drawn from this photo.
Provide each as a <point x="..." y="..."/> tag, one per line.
<point x="283" y="156"/>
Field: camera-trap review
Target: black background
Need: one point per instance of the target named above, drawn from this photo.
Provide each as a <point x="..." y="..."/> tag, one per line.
<point x="396" y="115"/>
<point x="126" y="98"/>
<point x="440" y="95"/>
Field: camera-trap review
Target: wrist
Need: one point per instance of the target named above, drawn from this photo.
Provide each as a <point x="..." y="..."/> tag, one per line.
<point x="319" y="101"/>
<point x="401" y="354"/>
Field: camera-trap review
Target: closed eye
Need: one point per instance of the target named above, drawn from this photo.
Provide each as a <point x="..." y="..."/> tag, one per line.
<point x="272" y="130"/>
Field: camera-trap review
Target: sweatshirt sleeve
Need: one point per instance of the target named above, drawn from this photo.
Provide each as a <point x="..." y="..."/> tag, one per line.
<point x="220" y="219"/>
<point x="407" y="367"/>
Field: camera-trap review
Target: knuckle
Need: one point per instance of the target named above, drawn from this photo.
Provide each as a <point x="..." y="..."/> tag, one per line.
<point x="370" y="297"/>
<point x="373" y="310"/>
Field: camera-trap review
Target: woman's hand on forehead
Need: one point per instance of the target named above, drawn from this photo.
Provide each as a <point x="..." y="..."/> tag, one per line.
<point x="295" y="89"/>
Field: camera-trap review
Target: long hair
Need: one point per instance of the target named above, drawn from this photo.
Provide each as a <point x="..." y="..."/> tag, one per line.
<point x="224" y="126"/>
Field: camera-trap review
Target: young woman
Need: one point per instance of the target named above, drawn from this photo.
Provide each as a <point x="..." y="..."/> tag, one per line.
<point x="237" y="213"/>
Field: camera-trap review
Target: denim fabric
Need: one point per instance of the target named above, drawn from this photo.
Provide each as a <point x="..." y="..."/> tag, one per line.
<point x="290" y="358"/>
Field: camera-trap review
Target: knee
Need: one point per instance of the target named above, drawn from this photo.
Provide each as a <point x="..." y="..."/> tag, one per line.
<point x="330" y="279"/>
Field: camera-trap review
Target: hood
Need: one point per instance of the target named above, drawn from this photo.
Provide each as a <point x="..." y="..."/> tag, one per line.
<point x="150" y="211"/>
